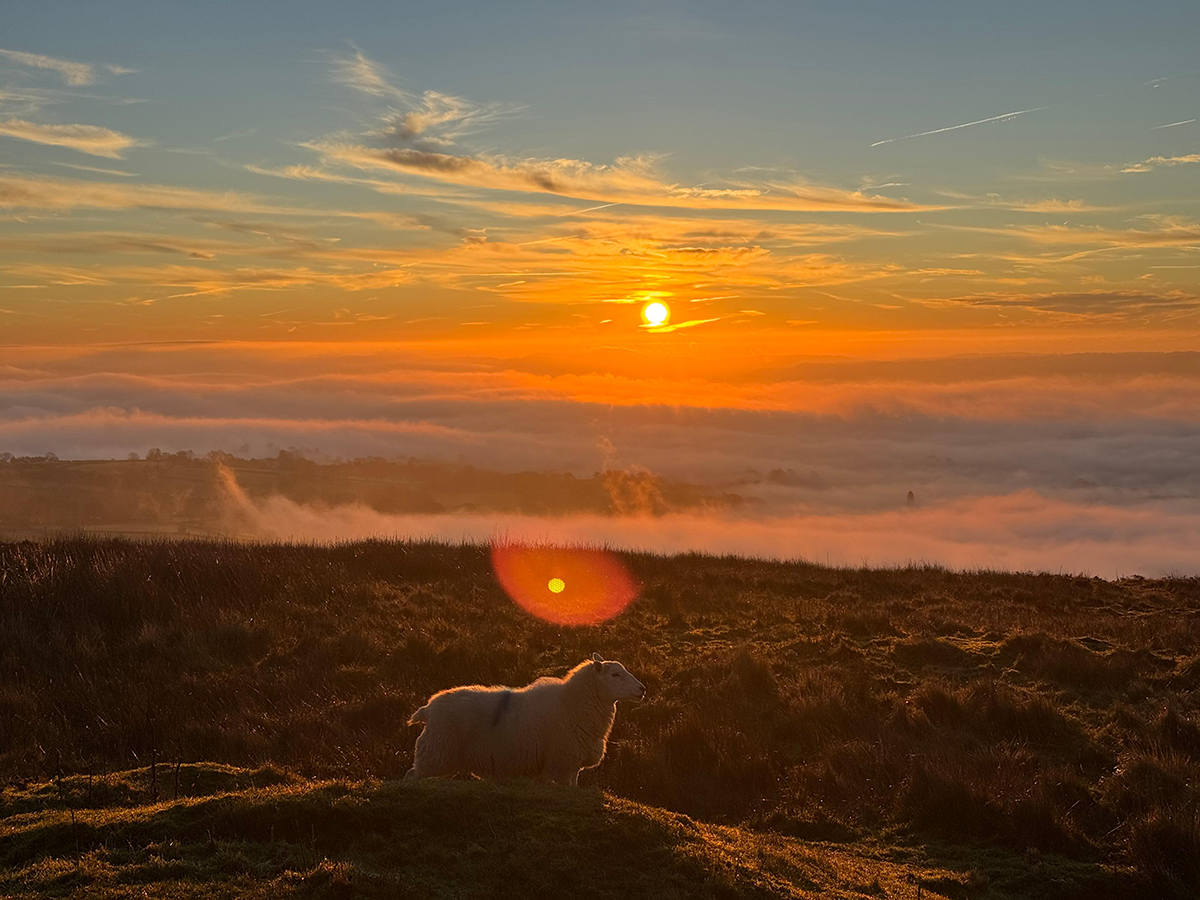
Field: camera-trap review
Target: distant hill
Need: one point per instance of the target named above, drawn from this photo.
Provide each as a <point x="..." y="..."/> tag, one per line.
<point x="180" y="492"/>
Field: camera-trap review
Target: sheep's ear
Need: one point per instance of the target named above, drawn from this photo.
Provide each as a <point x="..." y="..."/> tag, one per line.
<point x="597" y="659"/>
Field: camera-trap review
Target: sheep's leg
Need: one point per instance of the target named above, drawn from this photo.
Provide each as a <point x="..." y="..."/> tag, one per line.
<point x="562" y="776"/>
<point x="430" y="757"/>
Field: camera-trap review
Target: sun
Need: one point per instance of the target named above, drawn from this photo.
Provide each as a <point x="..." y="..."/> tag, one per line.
<point x="656" y="313"/>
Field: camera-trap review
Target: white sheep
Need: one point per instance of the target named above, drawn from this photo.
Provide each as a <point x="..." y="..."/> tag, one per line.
<point x="547" y="730"/>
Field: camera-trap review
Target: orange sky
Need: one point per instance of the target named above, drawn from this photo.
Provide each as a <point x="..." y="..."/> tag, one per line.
<point x="368" y="207"/>
<point x="893" y="256"/>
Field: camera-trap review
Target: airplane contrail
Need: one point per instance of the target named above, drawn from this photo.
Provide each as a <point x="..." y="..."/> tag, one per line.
<point x="1157" y="81"/>
<point x="1011" y="115"/>
<point x="576" y="212"/>
<point x="1173" y="124"/>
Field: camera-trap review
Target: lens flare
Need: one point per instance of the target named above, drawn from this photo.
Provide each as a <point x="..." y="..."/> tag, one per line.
<point x="565" y="585"/>
<point x="656" y="313"/>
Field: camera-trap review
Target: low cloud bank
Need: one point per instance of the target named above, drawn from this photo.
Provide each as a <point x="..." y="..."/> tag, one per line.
<point x="793" y="462"/>
<point x="1083" y="462"/>
<point x="1019" y="531"/>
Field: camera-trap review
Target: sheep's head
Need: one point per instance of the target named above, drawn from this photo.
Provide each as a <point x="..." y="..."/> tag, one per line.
<point x="615" y="681"/>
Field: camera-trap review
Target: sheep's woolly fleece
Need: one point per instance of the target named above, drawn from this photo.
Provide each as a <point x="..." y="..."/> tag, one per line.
<point x="548" y="730"/>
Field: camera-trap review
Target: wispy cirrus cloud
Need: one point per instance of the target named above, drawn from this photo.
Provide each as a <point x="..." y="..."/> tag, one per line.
<point x="26" y="101"/>
<point x="580" y="262"/>
<point x="39" y="192"/>
<point x="76" y="74"/>
<point x="431" y="118"/>
<point x="362" y="73"/>
<point x="628" y="180"/>
<point x="1045" y="205"/>
<point x="867" y="182"/>
<point x="194" y="281"/>
<point x="1093" y="306"/>
<point x="1056" y="205"/>
<point x="1154" y="162"/>
<point x="676" y="326"/>
<point x="91" y="139"/>
<point x="100" y="171"/>
<point x="1060" y="171"/>
<point x="415" y="140"/>
<point x="317" y="173"/>
<point x="1163" y="231"/>
<point x="441" y="119"/>
<point x="102" y="242"/>
<point x="654" y="229"/>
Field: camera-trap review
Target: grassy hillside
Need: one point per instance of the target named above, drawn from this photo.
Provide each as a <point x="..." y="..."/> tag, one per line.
<point x="238" y="833"/>
<point x="1037" y="735"/>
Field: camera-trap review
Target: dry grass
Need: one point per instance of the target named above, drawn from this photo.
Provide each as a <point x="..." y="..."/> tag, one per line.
<point x="236" y="832"/>
<point x="985" y="717"/>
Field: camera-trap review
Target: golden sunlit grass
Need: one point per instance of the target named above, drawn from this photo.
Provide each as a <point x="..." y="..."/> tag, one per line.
<point x="1024" y="735"/>
<point x="263" y="833"/>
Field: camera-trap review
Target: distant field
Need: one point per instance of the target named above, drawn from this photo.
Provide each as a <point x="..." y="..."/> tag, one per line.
<point x="998" y="735"/>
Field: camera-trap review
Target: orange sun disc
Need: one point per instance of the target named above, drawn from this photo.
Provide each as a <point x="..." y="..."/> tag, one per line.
<point x="566" y="585"/>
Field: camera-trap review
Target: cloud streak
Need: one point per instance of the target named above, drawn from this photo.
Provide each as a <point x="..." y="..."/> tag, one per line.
<point x="433" y="118"/>
<point x="76" y="74"/>
<point x="90" y="139"/>
<point x="358" y="71"/>
<point x="1154" y="162"/>
<point x="629" y="180"/>
<point x="414" y="141"/>
<point x="1092" y="306"/>
<point x="40" y="192"/>
<point x="676" y="326"/>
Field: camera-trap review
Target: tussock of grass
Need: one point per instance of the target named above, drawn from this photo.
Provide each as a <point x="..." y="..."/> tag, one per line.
<point x="1028" y="714"/>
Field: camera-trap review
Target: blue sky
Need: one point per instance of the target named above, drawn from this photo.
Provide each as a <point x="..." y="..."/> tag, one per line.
<point x="716" y="86"/>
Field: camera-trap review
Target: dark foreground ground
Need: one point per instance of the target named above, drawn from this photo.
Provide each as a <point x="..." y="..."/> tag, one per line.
<point x="807" y="729"/>
<point x="261" y="833"/>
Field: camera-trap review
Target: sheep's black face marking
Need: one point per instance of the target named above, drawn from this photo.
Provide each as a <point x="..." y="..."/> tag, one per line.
<point x="502" y="707"/>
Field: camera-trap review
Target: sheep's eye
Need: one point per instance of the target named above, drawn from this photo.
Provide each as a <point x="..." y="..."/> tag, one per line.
<point x="615" y="674"/>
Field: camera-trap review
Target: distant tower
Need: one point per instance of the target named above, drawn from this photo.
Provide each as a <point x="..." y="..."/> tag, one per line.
<point x="911" y="501"/>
